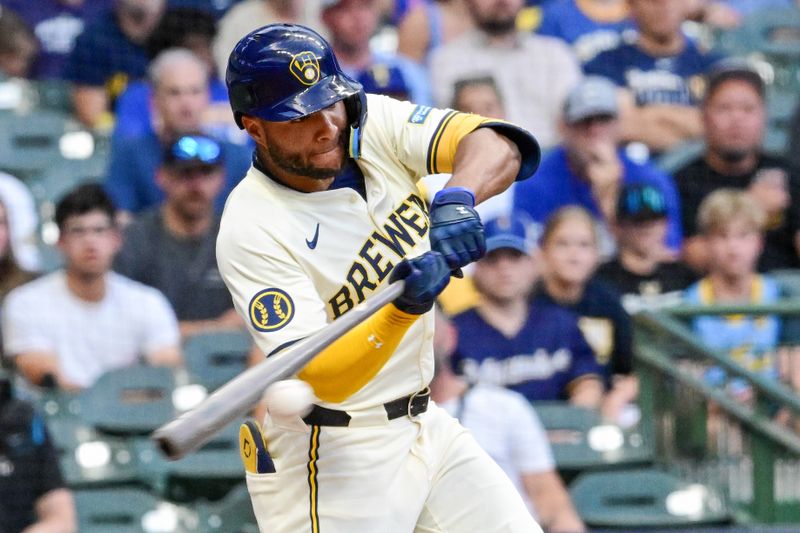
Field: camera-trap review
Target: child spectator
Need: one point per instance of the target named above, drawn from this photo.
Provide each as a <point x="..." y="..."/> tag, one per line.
<point x="732" y="226"/>
<point x="569" y="246"/>
<point x="536" y="350"/>
<point x="644" y="271"/>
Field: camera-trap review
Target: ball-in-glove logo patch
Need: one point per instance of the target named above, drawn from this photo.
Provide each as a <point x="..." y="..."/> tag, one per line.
<point x="305" y="67"/>
<point x="271" y="309"/>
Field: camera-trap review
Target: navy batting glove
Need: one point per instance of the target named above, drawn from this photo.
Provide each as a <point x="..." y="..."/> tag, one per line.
<point x="426" y="277"/>
<point x="456" y="228"/>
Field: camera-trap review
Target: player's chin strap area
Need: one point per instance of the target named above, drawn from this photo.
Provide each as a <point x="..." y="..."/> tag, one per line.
<point x="411" y="406"/>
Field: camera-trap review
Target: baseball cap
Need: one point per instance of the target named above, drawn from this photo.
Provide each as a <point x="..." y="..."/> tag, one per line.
<point x="734" y="68"/>
<point x="385" y="79"/>
<point x="640" y="202"/>
<point x="593" y="96"/>
<point x="507" y="231"/>
<point x="193" y="150"/>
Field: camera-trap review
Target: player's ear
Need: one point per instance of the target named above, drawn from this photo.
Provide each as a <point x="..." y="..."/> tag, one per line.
<point x="254" y="128"/>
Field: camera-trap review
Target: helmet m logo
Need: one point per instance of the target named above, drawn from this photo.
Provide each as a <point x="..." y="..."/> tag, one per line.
<point x="305" y="67"/>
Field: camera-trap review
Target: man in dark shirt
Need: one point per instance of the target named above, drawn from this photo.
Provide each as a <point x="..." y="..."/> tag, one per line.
<point x="172" y="247"/>
<point x="32" y="492"/>
<point x="644" y="271"/>
<point x="734" y="118"/>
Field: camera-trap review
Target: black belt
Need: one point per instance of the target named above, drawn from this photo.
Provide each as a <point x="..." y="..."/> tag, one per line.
<point x="411" y="405"/>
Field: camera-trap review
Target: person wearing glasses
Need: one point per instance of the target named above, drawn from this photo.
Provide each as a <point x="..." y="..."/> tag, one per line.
<point x="74" y="324"/>
<point x="171" y="247"/>
<point x="181" y="102"/>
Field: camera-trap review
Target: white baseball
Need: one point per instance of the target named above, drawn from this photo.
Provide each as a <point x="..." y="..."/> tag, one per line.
<point x="289" y="398"/>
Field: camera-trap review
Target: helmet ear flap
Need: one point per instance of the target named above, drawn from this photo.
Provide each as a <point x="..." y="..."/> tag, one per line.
<point x="356" y="108"/>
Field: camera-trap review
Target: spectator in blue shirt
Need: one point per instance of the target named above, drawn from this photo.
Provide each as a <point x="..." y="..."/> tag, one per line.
<point x="590" y="27"/>
<point x="108" y="54"/>
<point x="660" y="72"/>
<point x="56" y="24"/>
<point x="535" y="350"/>
<point x="589" y="170"/>
<point x="569" y="253"/>
<point x="180" y="99"/>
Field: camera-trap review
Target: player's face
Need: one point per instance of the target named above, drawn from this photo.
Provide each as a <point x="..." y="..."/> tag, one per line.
<point x="182" y="98"/>
<point x="313" y="147"/>
<point x="570" y="252"/>
<point x="480" y="99"/>
<point x="191" y="190"/>
<point x="89" y="243"/>
<point x="505" y="275"/>
<point x="659" y="19"/>
<point x="734" y="250"/>
<point x="734" y="119"/>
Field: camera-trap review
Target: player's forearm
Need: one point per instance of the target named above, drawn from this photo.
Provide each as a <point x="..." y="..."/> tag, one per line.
<point x="486" y="162"/>
<point x="351" y="362"/>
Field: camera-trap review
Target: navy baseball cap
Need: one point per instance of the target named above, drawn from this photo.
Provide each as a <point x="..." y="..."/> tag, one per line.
<point x="640" y="202"/>
<point x="193" y="150"/>
<point x="385" y="79"/>
<point x="506" y="232"/>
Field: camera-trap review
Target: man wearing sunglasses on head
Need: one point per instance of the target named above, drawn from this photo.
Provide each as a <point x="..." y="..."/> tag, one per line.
<point x="180" y="103"/>
<point x="329" y="212"/>
<point x="171" y="247"/>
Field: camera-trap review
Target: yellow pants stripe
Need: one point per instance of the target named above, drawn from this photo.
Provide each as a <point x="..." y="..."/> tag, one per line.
<point x="313" y="456"/>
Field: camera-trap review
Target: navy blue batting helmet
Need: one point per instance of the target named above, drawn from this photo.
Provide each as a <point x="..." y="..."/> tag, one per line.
<point x="286" y="71"/>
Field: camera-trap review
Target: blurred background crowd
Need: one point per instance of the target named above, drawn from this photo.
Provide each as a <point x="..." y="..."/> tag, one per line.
<point x="627" y="350"/>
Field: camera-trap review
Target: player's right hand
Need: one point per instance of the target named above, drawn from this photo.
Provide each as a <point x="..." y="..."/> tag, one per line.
<point x="426" y="277"/>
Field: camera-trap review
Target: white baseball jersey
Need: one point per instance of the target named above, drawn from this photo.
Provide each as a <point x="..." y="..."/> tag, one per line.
<point x="295" y="261"/>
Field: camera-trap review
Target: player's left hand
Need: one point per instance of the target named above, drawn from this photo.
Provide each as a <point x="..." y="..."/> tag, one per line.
<point x="456" y="229"/>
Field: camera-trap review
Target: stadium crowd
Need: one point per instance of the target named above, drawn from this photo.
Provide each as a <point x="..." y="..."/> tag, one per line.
<point x="657" y="186"/>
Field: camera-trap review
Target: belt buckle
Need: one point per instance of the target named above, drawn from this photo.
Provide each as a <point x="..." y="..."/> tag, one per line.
<point x="410" y="406"/>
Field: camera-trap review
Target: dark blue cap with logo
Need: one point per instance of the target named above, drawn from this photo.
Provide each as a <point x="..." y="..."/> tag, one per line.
<point x="640" y="202"/>
<point x="507" y="232"/>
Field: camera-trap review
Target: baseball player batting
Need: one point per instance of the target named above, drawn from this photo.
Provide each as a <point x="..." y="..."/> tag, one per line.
<point x="328" y="212"/>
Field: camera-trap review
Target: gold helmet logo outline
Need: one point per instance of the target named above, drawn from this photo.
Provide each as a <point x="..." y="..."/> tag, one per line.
<point x="305" y="67"/>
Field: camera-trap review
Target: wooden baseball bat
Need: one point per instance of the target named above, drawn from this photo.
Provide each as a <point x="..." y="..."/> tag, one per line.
<point x="234" y="399"/>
